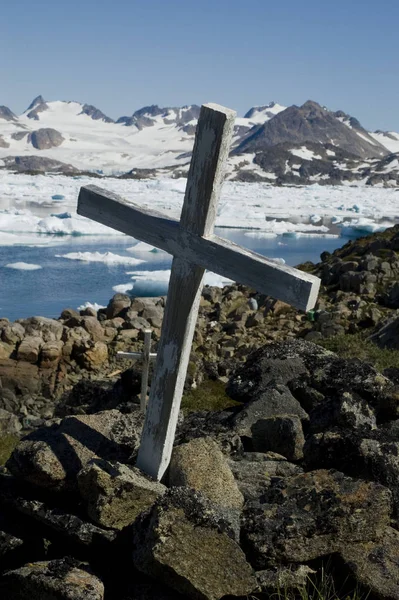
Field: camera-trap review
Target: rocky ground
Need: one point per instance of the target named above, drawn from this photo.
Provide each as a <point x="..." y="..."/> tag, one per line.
<point x="302" y="470"/>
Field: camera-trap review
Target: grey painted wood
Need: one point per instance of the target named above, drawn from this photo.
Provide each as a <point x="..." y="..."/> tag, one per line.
<point x="206" y="173"/>
<point x="178" y="326"/>
<point x="195" y="248"/>
<point x="146" y="368"/>
<point x="213" y="140"/>
<point x="239" y="264"/>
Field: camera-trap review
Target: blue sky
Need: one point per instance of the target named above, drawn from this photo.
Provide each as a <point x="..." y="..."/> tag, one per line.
<point x="121" y="55"/>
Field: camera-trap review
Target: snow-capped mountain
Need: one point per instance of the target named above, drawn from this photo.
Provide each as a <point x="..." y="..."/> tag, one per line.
<point x="293" y="145"/>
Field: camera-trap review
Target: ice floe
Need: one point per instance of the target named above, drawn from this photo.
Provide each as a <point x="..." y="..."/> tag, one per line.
<point x="107" y="257"/>
<point x="23" y="266"/>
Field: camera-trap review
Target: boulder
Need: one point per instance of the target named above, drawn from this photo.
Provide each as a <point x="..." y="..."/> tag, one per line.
<point x="12" y="334"/>
<point x="29" y="349"/>
<point x="6" y="350"/>
<point x="312" y="515"/>
<point x="9" y="423"/>
<point x="282" y="434"/>
<point x="115" y="494"/>
<point x="52" y="456"/>
<point x="45" y="138"/>
<point x="51" y="354"/>
<point x="62" y="579"/>
<point x="183" y="542"/>
<point x="254" y="471"/>
<point x="93" y="327"/>
<point x="200" y="464"/>
<point x="48" y="329"/>
<point x="272" y="402"/>
<point x="375" y="564"/>
<point x="117" y="304"/>
<point x="94" y="356"/>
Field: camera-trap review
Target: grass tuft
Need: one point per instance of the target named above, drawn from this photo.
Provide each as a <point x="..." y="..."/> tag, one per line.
<point x="355" y="346"/>
<point x="210" y="395"/>
<point x="7" y="445"/>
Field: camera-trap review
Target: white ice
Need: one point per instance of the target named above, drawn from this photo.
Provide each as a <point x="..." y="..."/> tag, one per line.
<point x="107" y="257"/>
<point x="23" y="266"/>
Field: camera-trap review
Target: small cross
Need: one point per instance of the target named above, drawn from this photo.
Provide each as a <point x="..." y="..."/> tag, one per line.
<point x="195" y="248"/>
<point x="145" y="357"/>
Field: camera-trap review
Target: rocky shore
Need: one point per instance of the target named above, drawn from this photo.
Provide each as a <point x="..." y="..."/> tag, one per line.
<point x="302" y="470"/>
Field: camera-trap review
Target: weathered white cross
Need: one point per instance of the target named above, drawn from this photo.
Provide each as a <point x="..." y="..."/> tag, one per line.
<point x="145" y="357"/>
<point x="195" y="248"/>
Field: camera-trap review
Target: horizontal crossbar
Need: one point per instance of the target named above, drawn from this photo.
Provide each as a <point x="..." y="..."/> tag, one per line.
<point x="214" y="253"/>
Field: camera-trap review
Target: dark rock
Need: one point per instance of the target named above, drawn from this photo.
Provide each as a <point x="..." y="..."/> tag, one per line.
<point x="375" y="564"/>
<point x="312" y="515"/>
<point x="64" y="579"/>
<point x="273" y="402"/>
<point x="42" y="139"/>
<point x="281" y="434"/>
<point x="95" y="114"/>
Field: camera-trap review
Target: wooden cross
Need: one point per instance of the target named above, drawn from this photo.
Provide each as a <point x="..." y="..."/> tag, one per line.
<point x="195" y="248"/>
<point x="146" y="356"/>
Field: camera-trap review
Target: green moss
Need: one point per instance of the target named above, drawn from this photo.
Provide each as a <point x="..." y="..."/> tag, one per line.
<point x="7" y="445"/>
<point x="355" y="346"/>
<point x="210" y="395"/>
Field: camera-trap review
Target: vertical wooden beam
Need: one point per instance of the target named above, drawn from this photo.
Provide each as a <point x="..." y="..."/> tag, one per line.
<point x="146" y="367"/>
<point x="206" y="174"/>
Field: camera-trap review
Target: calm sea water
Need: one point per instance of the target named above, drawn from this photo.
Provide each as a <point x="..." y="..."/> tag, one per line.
<point x="62" y="283"/>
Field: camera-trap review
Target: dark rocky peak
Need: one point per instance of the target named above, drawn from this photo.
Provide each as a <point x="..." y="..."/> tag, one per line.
<point x="95" y="113"/>
<point x="7" y="114"/>
<point x="350" y="121"/>
<point x="144" y="117"/>
<point x="35" y="102"/>
<point x="37" y="106"/>
<point x="257" y="109"/>
<point x="310" y="123"/>
<point x="149" y="111"/>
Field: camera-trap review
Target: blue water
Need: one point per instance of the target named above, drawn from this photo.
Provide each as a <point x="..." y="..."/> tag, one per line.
<point x="62" y="283"/>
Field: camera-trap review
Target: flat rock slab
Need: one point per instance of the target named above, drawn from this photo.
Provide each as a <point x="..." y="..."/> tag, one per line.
<point x="52" y="456"/>
<point x="57" y="579"/>
<point x="201" y="465"/>
<point x="115" y="494"/>
<point x="311" y="515"/>
<point x="184" y="543"/>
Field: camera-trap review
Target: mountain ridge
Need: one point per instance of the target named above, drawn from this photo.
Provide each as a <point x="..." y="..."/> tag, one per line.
<point x="292" y="145"/>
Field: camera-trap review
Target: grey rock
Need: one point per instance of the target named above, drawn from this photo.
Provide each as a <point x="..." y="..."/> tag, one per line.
<point x="37" y="164"/>
<point x="199" y="464"/>
<point x="117" y="305"/>
<point x="281" y="434"/>
<point x="43" y="139"/>
<point x="184" y="543"/>
<point x="6" y="114"/>
<point x="95" y="114"/>
<point x="375" y="564"/>
<point x="273" y="402"/>
<point x="115" y="494"/>
<point x="312" y="515"/>
<point x="254" y="472"/>
<point x="51" y="457"/>
<point x="9" y="423"/>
